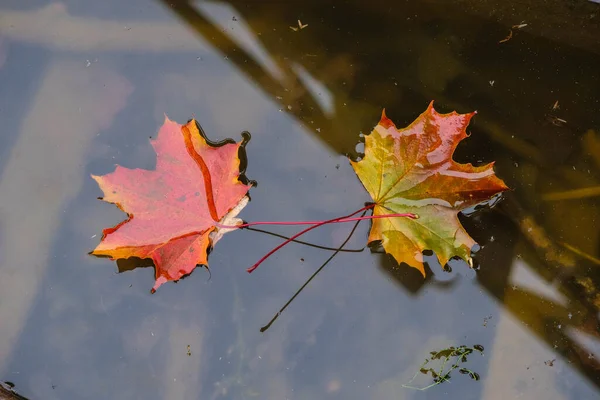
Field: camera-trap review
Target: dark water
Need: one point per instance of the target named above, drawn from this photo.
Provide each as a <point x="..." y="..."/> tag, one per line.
<point x="84" y="85"/>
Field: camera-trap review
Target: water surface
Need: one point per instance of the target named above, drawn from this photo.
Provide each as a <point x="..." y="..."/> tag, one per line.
<point x="85" y="84"/>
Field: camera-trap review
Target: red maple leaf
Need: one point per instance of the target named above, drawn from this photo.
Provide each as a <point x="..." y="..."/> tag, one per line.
<point x="174" y="211"/>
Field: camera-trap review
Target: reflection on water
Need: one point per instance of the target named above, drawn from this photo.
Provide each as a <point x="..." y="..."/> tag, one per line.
<point x="85" y="85"/>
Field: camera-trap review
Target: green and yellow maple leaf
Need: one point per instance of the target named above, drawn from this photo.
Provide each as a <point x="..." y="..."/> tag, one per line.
<point x="411" y="170"/>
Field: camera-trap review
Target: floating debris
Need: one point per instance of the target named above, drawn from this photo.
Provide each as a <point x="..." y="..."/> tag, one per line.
<point x="450" y="359"/>
<point x="556" y="121"/>
<point x="510" y="32"/>
<point x="300" y="26"/>
<point x="486" y="320"/>
<point x="553" y="118"/>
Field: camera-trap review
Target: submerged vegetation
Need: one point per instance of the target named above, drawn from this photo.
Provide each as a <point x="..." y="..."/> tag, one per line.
<point x="443" y="362"/>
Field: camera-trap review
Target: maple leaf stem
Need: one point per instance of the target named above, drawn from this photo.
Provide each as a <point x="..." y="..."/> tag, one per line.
<point x="317" y="246"/>
<point x="339" y="249"/>
<point x="316" y="224"/>
<point x="335" y="221"/>
<point x="302" y="232"/>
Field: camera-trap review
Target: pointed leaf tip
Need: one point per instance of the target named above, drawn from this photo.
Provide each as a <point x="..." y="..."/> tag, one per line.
<point x="385" y="122"/>
<point x="159" y="281"/>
